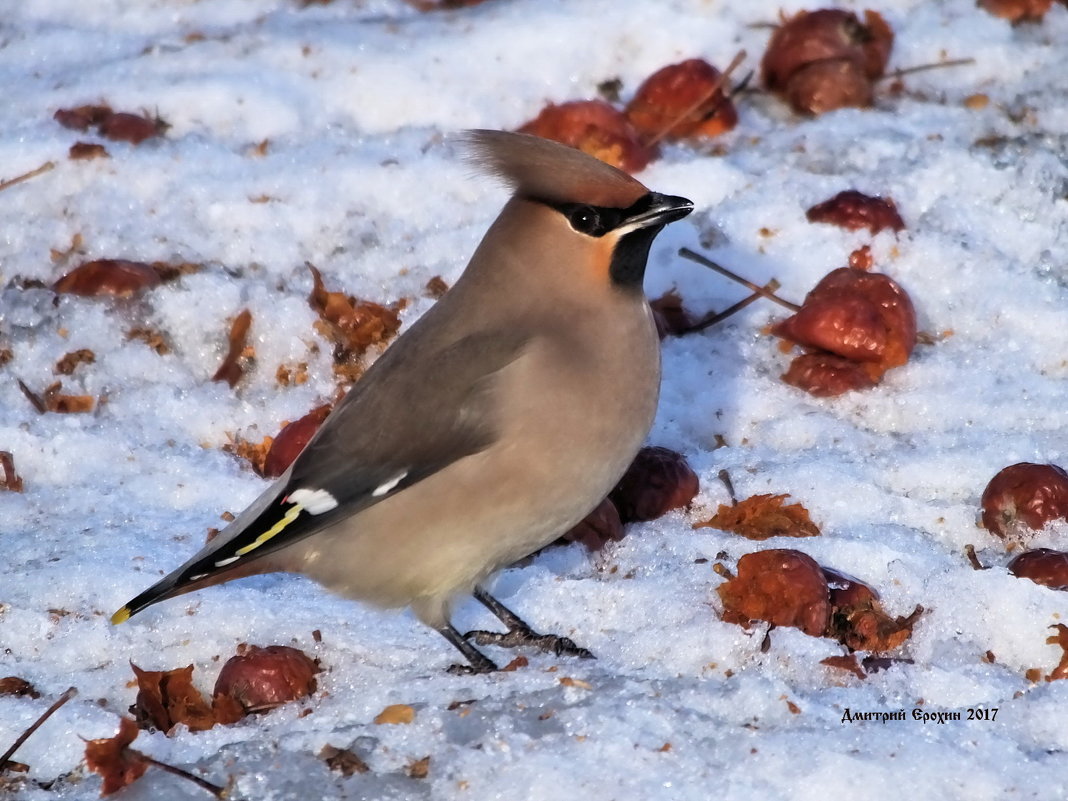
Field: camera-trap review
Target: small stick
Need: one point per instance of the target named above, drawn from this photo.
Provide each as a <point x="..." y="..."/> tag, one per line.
<point x="32" y="397"/>
<point x="956" y="62"/>
<point x="725" y="477"/>
<point x="969" y="551"/>
<point x="214" y="789"/>
<point x="686" y="253"/>
<point x="712" y="319"/>
<point x="735" y="62"/>
<point x="70" y="693"/>
<point x="18" y="179"/>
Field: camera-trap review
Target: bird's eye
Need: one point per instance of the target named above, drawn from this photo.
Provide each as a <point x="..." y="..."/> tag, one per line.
<point x="586" y="220"/>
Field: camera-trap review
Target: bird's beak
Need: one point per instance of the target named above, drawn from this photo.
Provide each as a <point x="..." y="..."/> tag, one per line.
<point x="657" y="209"/>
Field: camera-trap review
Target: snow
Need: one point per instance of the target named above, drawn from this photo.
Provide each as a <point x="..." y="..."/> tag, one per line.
<point x="356" y="101"/>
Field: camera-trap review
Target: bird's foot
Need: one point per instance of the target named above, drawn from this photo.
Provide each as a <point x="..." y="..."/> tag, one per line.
<point x="521" y="636"/>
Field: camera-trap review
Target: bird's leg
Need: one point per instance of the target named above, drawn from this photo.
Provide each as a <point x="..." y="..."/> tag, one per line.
<point x="519" y="633"/>
<point x="480" y="663"/>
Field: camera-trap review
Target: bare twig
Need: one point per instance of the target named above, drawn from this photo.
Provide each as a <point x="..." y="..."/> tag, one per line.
<point x="725" y="477"/>
<point x="718" y="317"/>
<point x="686" y="253"/>
<point x="70" y="693"/>
<point x="969" y="551"/>
<point x="955" y="62"/>
<point x="704" y="98"/>
<point x="214" y="789"/>
<point x="18" y="179"/>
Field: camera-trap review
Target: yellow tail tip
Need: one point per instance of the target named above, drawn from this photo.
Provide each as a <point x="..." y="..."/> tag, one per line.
<point x="121" y="616"/>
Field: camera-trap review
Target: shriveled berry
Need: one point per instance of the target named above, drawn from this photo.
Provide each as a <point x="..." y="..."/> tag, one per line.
<point x="657" y="481"/>
<point x="1023" y="498"/>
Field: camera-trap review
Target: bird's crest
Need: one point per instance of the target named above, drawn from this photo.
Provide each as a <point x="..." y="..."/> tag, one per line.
<point x="548" y="171"/>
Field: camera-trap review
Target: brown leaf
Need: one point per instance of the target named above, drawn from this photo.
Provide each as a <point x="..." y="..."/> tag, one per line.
<point x="519" y="662"/>
<point x="231" y="369"/>
<point x="167" y="698"/>
<point x="55" y="401"/>
<point x="670" y="316"/>
<point x="846" y="662"/>
<point x="395" y="714"/>
<point x="1061" y="639"/>
<point x="13" y="685"/>
<point x="260" y="679"/>
<point x="116" y="277"/>
<point x="151" y="337"/>
<point x="133" y="128"/>
<point x="255" y="453"/>
<point x="763" y="516"/>
<point x="70" y="361"/>
<point x="81" y="151"/>
<point x="781" y="586"/>
<point x="80" y="118"/>
<point x="436" y="287"/>
<point x="11" y="480"/>
<point x="343" y="760"/>
<point x="419" y="769"/>
<point x="111" y="757"/>
<point x="352" y="325"/>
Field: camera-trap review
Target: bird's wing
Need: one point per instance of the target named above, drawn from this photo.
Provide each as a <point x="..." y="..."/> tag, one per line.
<point x="397" y="426"/>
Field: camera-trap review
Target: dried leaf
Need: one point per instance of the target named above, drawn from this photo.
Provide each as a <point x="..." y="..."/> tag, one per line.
<point x="670" y="316"/>
<point x="111" y="757"/>
<point x="343" y="760"/>
<point x="846" y="662"/>
<point x="81" y="151"/>
<point x="151" y="337"/>
<point x="255" y="453"/>
<point x="352" y="325"/>
<point x="763" y="516"/>
<point x="396" y="714"/>
<point x="781" y="586"/>
<point x="13" y="685"/>
<point x="1061" y="639"/>
<point x="115" y="277"/>
<point x="231" y="370"/>
<point x="55" y="401"/>
<point x="436" y="287"/>
<point x="11" y="480"/>
<point x="567" y="681"/>
<point x="419" y="769"/>
<point x="168" y="698"/>
<point x="70" y="361"/>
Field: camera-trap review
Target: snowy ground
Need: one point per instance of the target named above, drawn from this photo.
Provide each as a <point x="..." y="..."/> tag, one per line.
<point x="356" y="99"/>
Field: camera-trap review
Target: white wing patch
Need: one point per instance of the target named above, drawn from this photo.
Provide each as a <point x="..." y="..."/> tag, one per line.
<point x="314" y="502"/>
<point x="388" y="485"/>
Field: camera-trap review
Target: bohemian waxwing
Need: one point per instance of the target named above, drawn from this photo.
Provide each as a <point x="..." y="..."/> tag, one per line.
<point x="493" y="425"/>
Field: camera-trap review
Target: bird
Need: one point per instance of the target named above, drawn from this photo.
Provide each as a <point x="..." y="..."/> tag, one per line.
<point x="492" y="425"/>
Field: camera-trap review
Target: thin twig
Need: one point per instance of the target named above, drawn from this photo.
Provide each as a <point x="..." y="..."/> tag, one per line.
<point x="718" y="317"/>
<point x="973" y="558"/>
<point x="704" y="98"/>
<point x="686" y="253"/>
<point x="955" y="62"/>
<point x="18" y="179"/>
<point x="214" y="789"/>
<point x="70" y="693"/>
<point x="725" y="477"/>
